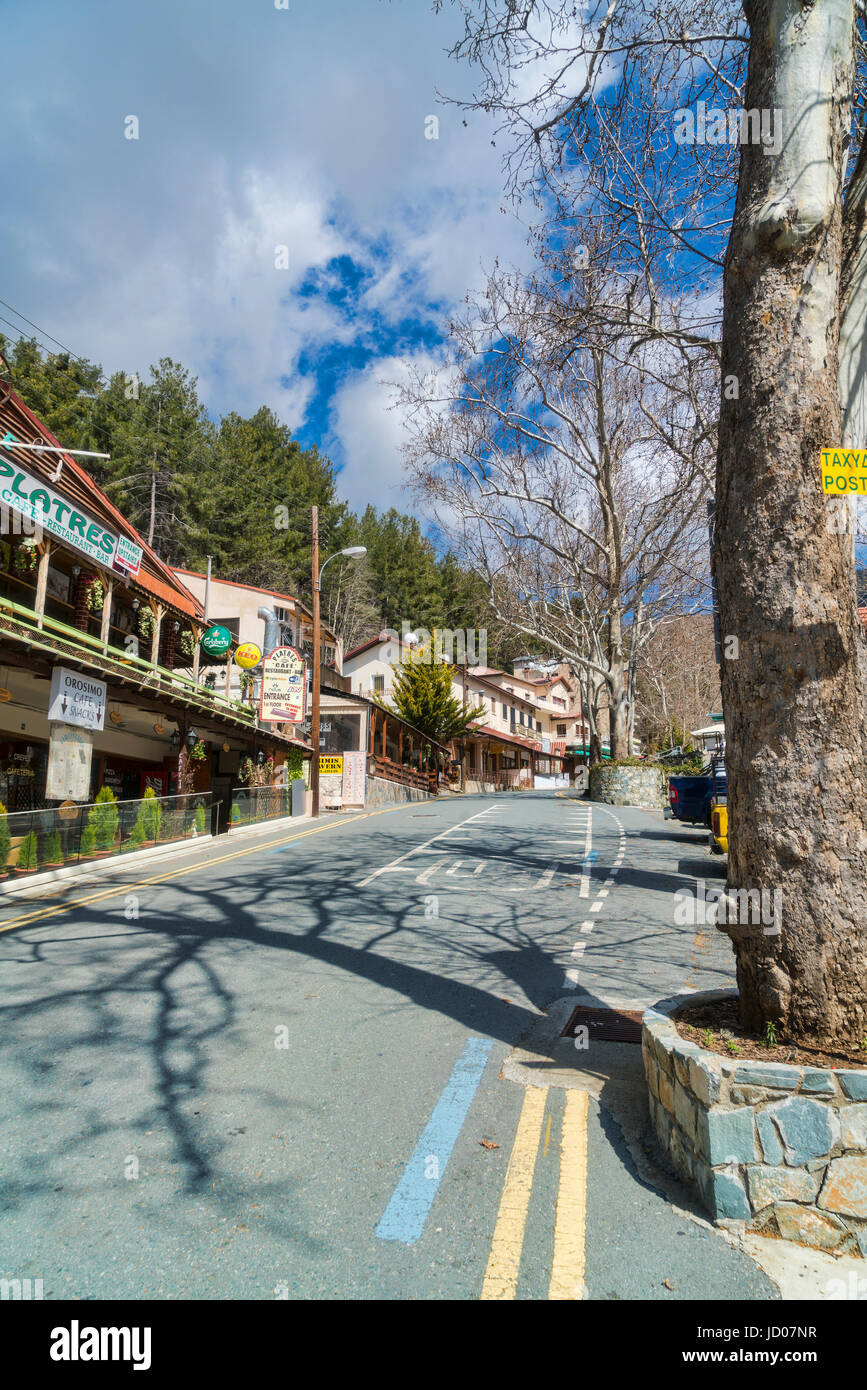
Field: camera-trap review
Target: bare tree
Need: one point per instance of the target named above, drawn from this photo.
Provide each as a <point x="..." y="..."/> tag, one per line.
<point x="566" y="470"/>
<point x="590" y="124"/>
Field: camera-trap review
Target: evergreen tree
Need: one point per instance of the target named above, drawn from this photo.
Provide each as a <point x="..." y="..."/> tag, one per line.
<point x="422" y="695"/>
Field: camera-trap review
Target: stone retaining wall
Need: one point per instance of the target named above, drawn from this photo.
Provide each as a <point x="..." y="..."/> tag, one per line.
<point x="629" y="786"/>
<point x="381" y="792"/>
<point x="780" y="1148"/>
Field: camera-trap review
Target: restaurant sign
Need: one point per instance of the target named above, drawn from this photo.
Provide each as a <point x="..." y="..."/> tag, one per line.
<point x="33" y="498"/>
<point x="282" y="696"/>
<point x="76" y="699"/>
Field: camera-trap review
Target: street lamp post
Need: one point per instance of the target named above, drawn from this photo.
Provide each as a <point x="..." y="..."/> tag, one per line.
<point x="354" y="552"/>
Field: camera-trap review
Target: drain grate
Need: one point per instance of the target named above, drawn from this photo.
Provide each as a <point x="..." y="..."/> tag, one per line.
<point x="606" y="1025"/>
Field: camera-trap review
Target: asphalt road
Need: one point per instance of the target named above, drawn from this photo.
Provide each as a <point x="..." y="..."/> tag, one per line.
<point x="325" y="1064"/>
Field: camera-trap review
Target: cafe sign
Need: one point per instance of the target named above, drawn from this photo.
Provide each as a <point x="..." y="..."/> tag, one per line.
<point x="282" y="696"/>
<point x="76" y="699"/>
<point x="34" y="499"/>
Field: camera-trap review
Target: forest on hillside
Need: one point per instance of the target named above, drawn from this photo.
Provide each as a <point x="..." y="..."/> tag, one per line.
<point x="240" y="489"/>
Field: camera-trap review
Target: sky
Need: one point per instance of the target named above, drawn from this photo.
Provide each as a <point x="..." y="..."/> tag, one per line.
<point x="282" y="225"/>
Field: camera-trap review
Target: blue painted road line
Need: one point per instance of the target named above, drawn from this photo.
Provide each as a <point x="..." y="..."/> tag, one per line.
<point x="406" y="1213"/>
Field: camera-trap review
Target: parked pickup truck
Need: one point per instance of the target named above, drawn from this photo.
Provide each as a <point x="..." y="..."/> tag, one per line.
<point x="690" y="797"/>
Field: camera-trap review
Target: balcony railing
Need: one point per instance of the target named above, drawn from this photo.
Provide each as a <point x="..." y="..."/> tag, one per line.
<point x="399" y="772"/>
<point x="59" y="639"/>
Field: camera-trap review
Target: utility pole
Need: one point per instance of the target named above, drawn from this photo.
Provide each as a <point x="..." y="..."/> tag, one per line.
<point x="314" y="714"/>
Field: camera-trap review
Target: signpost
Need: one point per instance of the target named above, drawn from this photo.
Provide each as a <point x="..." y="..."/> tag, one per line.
<point x="282" y="697"/>
<point x="76" y="699"/>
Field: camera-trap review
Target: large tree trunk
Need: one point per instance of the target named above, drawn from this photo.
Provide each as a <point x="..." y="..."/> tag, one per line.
<point x="792" y="697"/>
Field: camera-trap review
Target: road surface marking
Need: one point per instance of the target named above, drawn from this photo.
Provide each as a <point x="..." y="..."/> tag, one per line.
<point x="362" y="883"/>
<point x="578" y="950"/>
<point x="39" y="913"/>
<point x="589" y="860"/>
<point x="568" y="1264"/>
<point x="596" y="907"/>
<point x="587" y="926"/>
<point x="504" y="1262"/>
<point x="406" y="1213"/>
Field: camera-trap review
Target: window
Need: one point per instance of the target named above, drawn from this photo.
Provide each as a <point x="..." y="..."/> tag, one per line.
<point x="561" y="704"/>
<point x="538" y="726"/>
<point x="379" y="684"/>
<point x="512" y="713"/>
<point x="505" y="711"/>
<point x="561" y="730"/>
<point x="522" y="717"/>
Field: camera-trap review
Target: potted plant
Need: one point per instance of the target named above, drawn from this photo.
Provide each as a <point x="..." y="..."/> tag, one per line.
<point x="28" y="858"/>
<point x="235" y="814"/>
<point x="87" y="844"/>
<point x="5" y="841"/>
<point x="95" y="594"/>
<point x="52" y="852"/>
<point x="25" y="557"/>
<point x="103" y="818"/>
<point x="150" y="815"/>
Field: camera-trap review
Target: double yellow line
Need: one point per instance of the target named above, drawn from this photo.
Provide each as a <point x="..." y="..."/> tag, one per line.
<point x="570" y="1221"/>
<point x="38" y="914"/>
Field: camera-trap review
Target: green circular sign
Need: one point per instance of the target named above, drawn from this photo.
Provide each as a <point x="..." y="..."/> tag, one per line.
<point x="216" y="641"/>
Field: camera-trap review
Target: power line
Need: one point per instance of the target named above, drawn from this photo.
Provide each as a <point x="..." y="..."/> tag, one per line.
<point x="44" y="331"/>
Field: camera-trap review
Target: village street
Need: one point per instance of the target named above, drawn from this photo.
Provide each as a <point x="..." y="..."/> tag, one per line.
<point x="288" y="1066"/>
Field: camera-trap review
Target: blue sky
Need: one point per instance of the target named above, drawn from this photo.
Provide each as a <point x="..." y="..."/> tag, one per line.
<point x="259" y="129"/>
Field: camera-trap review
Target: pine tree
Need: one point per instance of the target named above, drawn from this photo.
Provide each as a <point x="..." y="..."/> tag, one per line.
<point x="423" y="697"/>
<point x="103" y="819"/>
<point x="27" y="852"/>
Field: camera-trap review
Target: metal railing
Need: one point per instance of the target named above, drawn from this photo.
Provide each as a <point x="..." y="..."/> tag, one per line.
<point x="253" y="804"/>
<point x="149" y="673"/>
<point x="74" y="834"/>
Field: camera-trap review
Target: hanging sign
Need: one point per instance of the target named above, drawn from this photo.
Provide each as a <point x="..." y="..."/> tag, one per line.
<point x="76" y="699"/>
<point x="216" y="641"/>
<point x="248" y="655"/>
<point x="34" y="499"/>
<point x="282" y="696"/>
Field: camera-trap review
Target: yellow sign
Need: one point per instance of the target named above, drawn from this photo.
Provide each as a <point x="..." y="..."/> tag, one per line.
<point x="328" y="765"/>
<point x="844" y="470"/>
<point x="248" y="655"/>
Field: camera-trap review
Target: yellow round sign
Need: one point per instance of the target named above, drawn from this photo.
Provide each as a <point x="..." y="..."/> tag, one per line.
<point x="248" y="654"/>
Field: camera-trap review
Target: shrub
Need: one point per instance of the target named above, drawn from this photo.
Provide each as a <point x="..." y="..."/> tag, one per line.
<point x="294" y="764"/>
<point x="199" y="819"/>
<point x="5" y="838"/>
<point x="147" y="822"/>
<point x="27" y="852"/>
<point x="52" y="852"/>
<point x="103" y="818"/>
<point x="235" y="814"/>
<point x="87" y="844"/>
